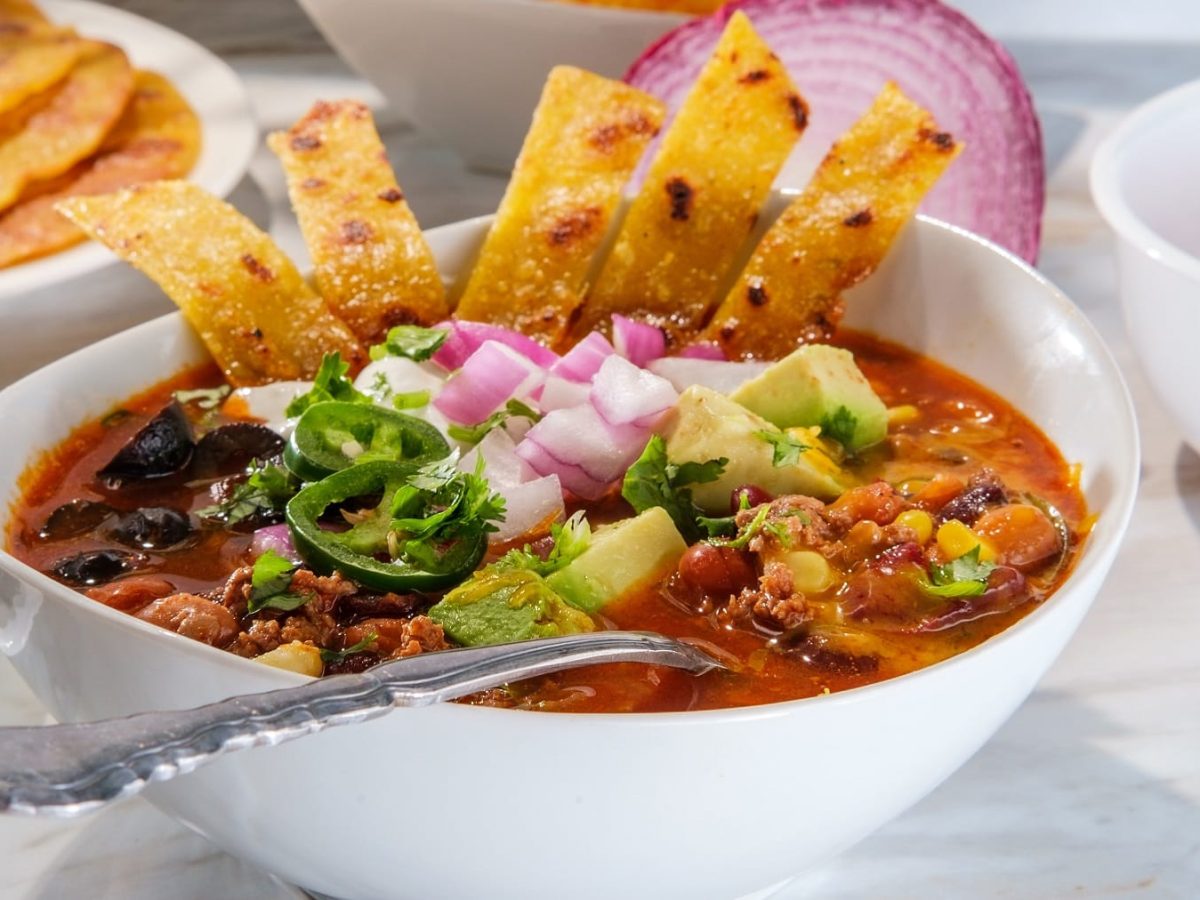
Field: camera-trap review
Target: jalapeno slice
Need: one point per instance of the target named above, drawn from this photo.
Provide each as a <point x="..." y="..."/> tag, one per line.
<point x="334" y="435"/>
<point x="364" y="551"/>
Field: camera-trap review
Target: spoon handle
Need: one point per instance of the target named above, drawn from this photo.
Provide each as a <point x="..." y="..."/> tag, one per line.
<point x="66" y="770"/>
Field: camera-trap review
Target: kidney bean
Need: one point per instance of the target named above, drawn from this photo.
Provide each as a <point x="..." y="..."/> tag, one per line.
<point x="753" y="494"/>
<point x="193" y="617"/>
<point x="1022" y="535"/>
<point x="131" y="594"/>
<point x="719" y="571"/>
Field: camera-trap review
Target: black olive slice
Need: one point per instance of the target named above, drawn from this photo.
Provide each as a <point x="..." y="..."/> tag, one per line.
<point x="96" y="566"/>
<point x="162" y="447"/>
<point x="229" y="449"/>
<point x="152" y="528"/>
<point x="75" y="518"/>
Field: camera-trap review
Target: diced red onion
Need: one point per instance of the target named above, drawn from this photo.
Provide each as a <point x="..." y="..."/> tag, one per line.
<point x="501" y="465"/>
<point x="559" y="393"/>
<point x="529" y="505"/>
<point x="636" y="341"/>
<point x="840" y="53"/>
<point x="623" y="394"/>
<point x="277" y="538"/>
<point x="583" y="360"/>
<point x="572" y="477"/>
<point x="490" y="377"/>
<point x="702" y="350"/>
<point x="467" y="337"/>
<point x="578" y="438"/>
<point x="723" y="377"/>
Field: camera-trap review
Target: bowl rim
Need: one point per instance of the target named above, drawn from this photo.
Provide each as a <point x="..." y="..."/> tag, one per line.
<point x="1104" y="177"/>
<point x="1096" y="556"/>
<point x="236" y="122"/>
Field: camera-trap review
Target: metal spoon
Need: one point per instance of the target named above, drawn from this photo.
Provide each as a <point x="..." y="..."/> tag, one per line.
<point x="66" y="770"/>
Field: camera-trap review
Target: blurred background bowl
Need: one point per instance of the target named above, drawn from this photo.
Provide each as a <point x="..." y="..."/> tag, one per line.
<point x="1146" y="182"/>
<point x="470" y="71"/>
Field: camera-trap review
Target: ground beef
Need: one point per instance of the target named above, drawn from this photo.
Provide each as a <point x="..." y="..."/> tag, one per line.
<point x="193" y="617"/>
<point x="396" y="638"/>
<point x="773" y="605"/>
<point x="877" y="502"/>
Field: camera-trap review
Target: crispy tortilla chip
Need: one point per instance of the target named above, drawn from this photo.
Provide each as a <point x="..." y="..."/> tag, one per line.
<point x="704" y="190"/>
<point x="31" y="64"/>
<point x="19" y="16"/>
<point x="249" y="303"/>
<point x="84" y="109"/>
<point x="587" y="135"/>
<point x="836" y="232"/>
<point x="158" y="137"/>
<point x="370" y="260"/>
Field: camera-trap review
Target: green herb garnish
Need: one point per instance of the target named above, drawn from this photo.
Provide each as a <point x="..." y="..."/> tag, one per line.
<point x="473" y="434"/>
<point x="269" y="582"/>
<point x="337" y="656"/>
<point x="785" y="449"/>
<point x="411" y="400"/>
<point x="655" y="481"/>
<point x="570" y="538"/>
<point x="966" y="576"/>
<point x="412" y="342"/>
<point x="331" y="383"/>
<point x="266" y="490"/>
<point x="840" y="426"/>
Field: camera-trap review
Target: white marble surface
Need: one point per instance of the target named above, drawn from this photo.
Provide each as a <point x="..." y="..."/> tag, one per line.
<point x="1091" y="790"/>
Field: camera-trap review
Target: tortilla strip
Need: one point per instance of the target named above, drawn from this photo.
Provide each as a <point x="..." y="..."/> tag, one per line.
<point x="30" y="64"/>
<point x="158" y="137"/>
<point x="586" y="138"/>
<point x="702" y="195"/>
<point x="370" y="260"/>
<point x="75" y="122"/>
<point x="258" y="317"/>
<point x="18" y="16"/>
<point x="836" y="232"/>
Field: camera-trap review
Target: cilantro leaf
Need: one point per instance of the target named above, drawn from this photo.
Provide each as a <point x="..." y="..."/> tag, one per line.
<point x="570" y="538"/>
<point x="380" y="388"/>
<point x="785" y="449"/>
<point x="966" y="576"/>
<point x="269" y="582"/>
<point x="204" y="398"/>
<point x="655" y="481"/>
<point x="840" y="426"/>
<point x="473" y="434"/>
<point x="439" y="509"/>
<point x="412" y="342"/>
<point x="265" y="492"/>
<point x="331" y="383"/>
<point x="753" y="528"/>
<point x="337" y="656"/>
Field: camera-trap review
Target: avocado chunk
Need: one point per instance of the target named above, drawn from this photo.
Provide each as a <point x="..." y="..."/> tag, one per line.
<point x="500" y="605"/>
<point x="707" y="425"/>
<point x="818" y="385"/>
<point x="620" y="557"/>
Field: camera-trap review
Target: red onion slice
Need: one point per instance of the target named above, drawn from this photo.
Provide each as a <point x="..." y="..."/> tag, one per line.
<point x="501" y="465"/>
<point x="636" y="341"/>
<point x="467" y="337"/>
<point x="572" y="477"/>
<point x="559" y="393"/>
<point x="840" y="53"/>
<point x="626" y="395"/>
<point x="702" y="350"/>
<point x="583" y="360"/>
<point x="722" y="377"/>
<point x="491" y="376"/>
<point x="579" y="436"/>
<point x="527" y="506"/>
<point x="277" y="538"/>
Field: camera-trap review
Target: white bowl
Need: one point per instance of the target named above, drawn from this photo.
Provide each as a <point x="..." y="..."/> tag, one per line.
<point x="460" y="801"/>
<point x="71" y="299"/>
<point x="1146" y="182"/>
<point x="470" y="71"/>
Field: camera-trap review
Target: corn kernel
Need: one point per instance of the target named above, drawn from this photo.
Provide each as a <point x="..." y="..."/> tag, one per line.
<point x="902" y="415"/>
<point x="919" y="521"/>
<point x="811" y="572"/>
<point x="295" y="657"/>
<point x="955" y="539"/>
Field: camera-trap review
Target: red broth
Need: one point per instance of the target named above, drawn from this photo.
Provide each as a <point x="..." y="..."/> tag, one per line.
<point x="959" y="429"/>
